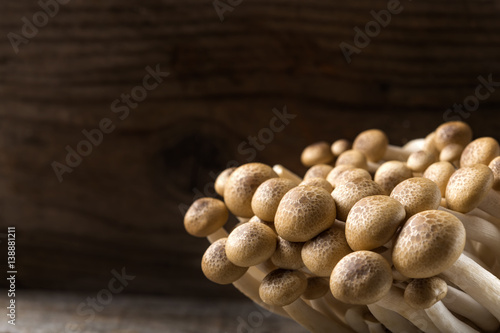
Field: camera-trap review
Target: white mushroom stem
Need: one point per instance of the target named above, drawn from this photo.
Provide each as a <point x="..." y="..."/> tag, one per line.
<point x="414" y="145"/>
<point x="483" y="286"/>
<point x="373" y="167"/>
<point x="446" y="321"/>
<point x="461" y="303"/>
<point x="374" y="326"/>
<point x="478" y="260"/>
<point x="338" y="307"/>
<point x="355" y="318"/>
<point x="322" y="306"/>
<point x="482" y="214"/>
<point x="221" y="233"/>
<point x="285" y="173"/>
<point x="491" y="203"/>
<point x="396" y="153"/>
<point x="393" y="321"/>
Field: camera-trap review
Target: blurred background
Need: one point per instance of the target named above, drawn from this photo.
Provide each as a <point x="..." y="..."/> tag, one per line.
<point x="179" y="89"/>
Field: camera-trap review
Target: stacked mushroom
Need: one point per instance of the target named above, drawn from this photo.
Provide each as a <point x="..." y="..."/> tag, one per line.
<point x="374" y="237"/>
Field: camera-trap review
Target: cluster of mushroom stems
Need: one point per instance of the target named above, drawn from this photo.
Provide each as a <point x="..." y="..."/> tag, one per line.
<point x="373" y="238"/>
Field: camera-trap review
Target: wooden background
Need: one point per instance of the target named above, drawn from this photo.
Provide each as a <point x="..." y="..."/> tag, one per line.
<point x="120" y="207"/>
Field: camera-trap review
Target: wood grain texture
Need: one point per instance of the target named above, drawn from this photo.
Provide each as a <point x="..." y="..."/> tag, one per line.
<point x="120" y="207"/>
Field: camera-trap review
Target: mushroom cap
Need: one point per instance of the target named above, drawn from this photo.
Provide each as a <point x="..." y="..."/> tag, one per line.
<point x="318" y="182"/>
<point x="420" y="160"/>
<point x="373" y="221"/>
<point x="417" y="194"/>
<point x="316" y="153"/>
<point x="361" y="277"/>
<point x="352" y="157"/>
<point x="468" y="186"/>
<point x="346" y="195"/>
<point x="421" y="294"/>
<point x="336" y="172"/>
<point x="250" y="244"/>
<point x="390" y="174"/>
<point x="318" y="170"/>
<point x="268" y="195"/>
<point x="324" y="251"/>
<point x="303" y="213"/>
<point x="429" y="243"/>
<point x="452" y="132"/>
<point x="495" y="168"/>
<point x="480" y="151"/>
<point x="270" y="224"/>
<point x="205" y="216"/>
<point x="352" y="174"/>
<point x="282" y="287"/>
<point x="440" y="173"/>
<point x="316" y="287"/>
<point x="451" y="152"/>
<point x="242" y="184"/>
<point x="340" y="146"/>
<point x="287" y="255"/>
<point x="221" y="180"/>
<point x="429" y="144"/>
<point x="373" y="143"/>
<point x="217" y="267"/>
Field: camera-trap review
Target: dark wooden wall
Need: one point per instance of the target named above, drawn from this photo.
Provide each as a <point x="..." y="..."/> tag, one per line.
<point x="120" y="207"/>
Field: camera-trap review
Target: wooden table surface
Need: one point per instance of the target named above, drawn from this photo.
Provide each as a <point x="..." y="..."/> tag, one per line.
<point x="51" y="312"/>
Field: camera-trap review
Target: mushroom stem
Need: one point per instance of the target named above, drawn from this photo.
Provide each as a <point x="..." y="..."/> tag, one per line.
<point x="445" y="321"/>
<point x="338" y="307"/>
<point x="285" y="173"/>
<point x="374" y="326"/>
<point x="393" y="321"/>
<point x="482" y="214"/>
<point x="221" y="233"/>
<point x="461" y="303"/>
<point x="355" y="318"/>
<point x="491" y="203"/>
<point x="396" y="153"/>
<point x="322" y="306"/>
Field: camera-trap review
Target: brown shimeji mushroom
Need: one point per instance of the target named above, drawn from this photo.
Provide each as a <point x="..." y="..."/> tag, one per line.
<point x="318" y="182"/>
<point x="357" y="159"/>
<point x="352" y="174"/>
<point x="206" y="218"/>
<point x="431" y="243"/>
<point x="317" y="153"/>
<point x="440" y="173"/>
<point x="283" y="172"/>
<point x="336" y="172"/>
<point x="453" y="132"/>
<point x="480" y="151"/>
<point x="283" y="288"/>
<point x="346" y="195"/>
<point x="451" y="153"/>
<point x="375" y="145"/>
<point x="287" y="254"/>
<point x="417" y="194"/>
<point x="340" y="146"/>
<point x="390" y="174"/>
<point x="318" y="170"/>
<point x="221" y="180"/>
<point x="268" y="195"/>
<point x="420" y="160"/>
<point x="393" y="321"/>
<point x="317" y="287"/>
<point x="495" y="168"/>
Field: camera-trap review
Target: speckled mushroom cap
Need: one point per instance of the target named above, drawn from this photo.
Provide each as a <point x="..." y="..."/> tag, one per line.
<point x="250" y="244"/>
<point x="373" y="221"/>
<point x="287" y="255"/>
<point x="390" y="174"/>
<point x="221" y="180"/>
<point x="241" y="186"/>
<point x="303" y="213"/>
<point x="282" y="287"/>
<point x="362" y="277"/>
<point x="420" y="160"/>
<point x="417" y="194"/>
<point x="336" y="172"/>
<point x="318" y="182"/>
<point x="340" y="146"/>
<point x="353" y="157"/>
<point x="317" y="153"/>
<point x="480" y="151"/>
<point x="268" y="195"/>
<point x="318" y="170"/>
<point x="495" y="168"/>
<point x="217" y="267"/>
<point x="373" y="143"/>
<point x="352" y="174"/>
<point x="451" y="152"/>
<point x="316" y="287"/>
<point x="324" y="251"/>
<point x="440" y="173"/>
<point x="452" y="132"/>
<point x="346" y="195"/>
<point x="468" y="186"/>
<point x="205" y="216"/>
<point x="423" y="293"/>
<point x="428" y="244"/>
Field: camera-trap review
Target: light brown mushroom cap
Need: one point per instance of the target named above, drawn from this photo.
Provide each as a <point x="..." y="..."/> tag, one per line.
<point x="336" y="172"/>
<point x="480" y="151"/>
<point x="346" y="195"/>
<point x="340" y="146"/>
<point x="324" y="251"/>
<point x="221" y="180"/>
<point x="241" y="186"/>
<point x="205" y="216"/>
<point x="362" y="277"/>
<point x="287" y="255"/>
<point x="468" y="186"/>
<point x="317" y="153"/>
<point x="452" y="132"/>
<point x="429" y="144"/>
<point x="451" y="152"/>
<point x="417" y="194"/>
<point x="495" y="168"/>
<point x="217" y="267"/>
<point x="318" y="170"/>
<point x="420" y="160"/>
<point x="352" y="157"/>
<point x="351" y="174"/>
<point x="373" y="143"/>
<point x="318" y="182"/>
<point x="373" y="221"/>
<point x="282" y="287"/>
<point x="317" y="287"/>
<point x="270" y="224"/>
<point x="268" y="195"/>
<point x="440" y="173"/>
<point x="303" y="213"/>
<point x="421" y="294"/>
<point x="429" y="243"/>
<point x="390" y="174"/>
<point x="250" y="244"/>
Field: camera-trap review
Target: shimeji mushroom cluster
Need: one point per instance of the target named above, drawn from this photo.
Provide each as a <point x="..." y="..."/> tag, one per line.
<point x="374" y="238"/>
